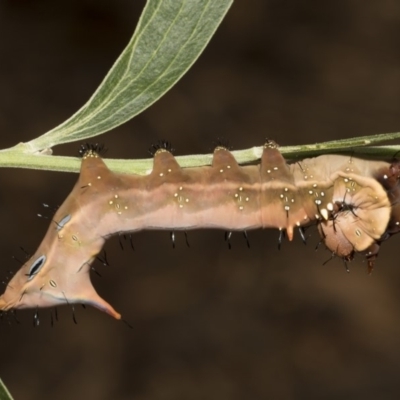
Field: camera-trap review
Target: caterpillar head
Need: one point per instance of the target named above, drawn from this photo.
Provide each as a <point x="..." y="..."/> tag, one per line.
<point x="42" y="282"/>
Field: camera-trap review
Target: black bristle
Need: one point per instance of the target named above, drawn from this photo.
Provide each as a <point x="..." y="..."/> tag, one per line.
<point x="161" y="144"/>
<point x="98" y="148"/>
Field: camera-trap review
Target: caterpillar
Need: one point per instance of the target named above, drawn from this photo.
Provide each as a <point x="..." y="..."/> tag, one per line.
<point x="353" y="202"/>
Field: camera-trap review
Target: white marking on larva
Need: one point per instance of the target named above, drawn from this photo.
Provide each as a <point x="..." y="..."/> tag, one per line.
<point x="99" y="177"/>
<point x="318" y="202"/>
<point x="247" y="199"/>
<point x="317" y="216"/>
<point x="286" y="189"/>
<point x="269" y="171"/>
<point x="287" y="208"/>
<point x="305" y="177"/>
<point x="311" y="176"/>
<point x="240" y="189"/>
<point x="116" y="196"/>
<point x="358" y="232"/>
<point x="236" y="195"/>
<point x="322" y="194"/>
<point x="169" y="169"/>
<point x="385" y="176"/>
<point x="187" y="200"/>
<point x="275" y="168"/>
<point x="89" y="184"/>
<point x="346" y="180"/>
<point x="292" y="200"/>
<point x="221" y="170"/>
<point x="241" y="208"/>
<point x="228" y="166"/>
<point x="324" y="213"/>
<point x="110" y="202"/>
<point x="175" y="194"/>
<point x="161" y="174"/>
<point x="310" y="192"/>
<point x="348" y="190"/>
<point x="126" y="207"/>
<point x="180" y="188"/>
<point x="397" y="223"/>
<point x="314" y="185"/>
<point x="119" y="213"/>
<point x="281" y="196"/>
<point x="180" y="205"/>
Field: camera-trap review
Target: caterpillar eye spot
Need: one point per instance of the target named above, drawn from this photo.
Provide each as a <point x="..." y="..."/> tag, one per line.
<point x="36" y="266"/>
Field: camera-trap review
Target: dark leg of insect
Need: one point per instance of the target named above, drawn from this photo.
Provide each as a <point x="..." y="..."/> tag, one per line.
<point x="345" y="265"/>
<point x="302" y="234"/>
<point x="14" y="314"/>
<point x="228" y="235"/>
<point x="247" y="238"/>
<point x="103" y="259"/>
<point x="172" y="236"/>
<point x="186" y="239"/>
<point x="36" y="320"/>
<point x="95" y="271"/>
<point x="282" y="235"/>
<point x="330" y="258"/>
<point x="72" y="308"/>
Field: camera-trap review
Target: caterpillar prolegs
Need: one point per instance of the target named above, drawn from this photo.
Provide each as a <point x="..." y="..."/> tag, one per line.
<point x="354" y="202"/>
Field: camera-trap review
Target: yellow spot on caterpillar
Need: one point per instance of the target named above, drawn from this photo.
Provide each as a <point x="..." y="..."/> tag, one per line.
<point x="221" y="170"/>
<point x="322" y="194"/>
<point x="315" y="185"/>
<point x="110" y="202"/>
<point x="116" y="196"/>
<point x="126" y="207"/>
<point x="180" y="188"/>
<point x="99" y="177"/>
<point x="286" y="189"/>
<point x="241" y="208"/>
<point x="161" y="174"/>
<point x="175" y="194"/>
<point x="281" y="196"/>
<point x="240" y="189"/>
<point x="310" y="192"/>
<point x="228" y="166"/>
<point x="169" y="169"/>
<point x="180" y="205"/>
<point x="89" y="184"/>
<point x="236" y="195"/>
<point x="346" y="180"/>
<point x="269" y="171"/>
<point x="275" y="168"/>
<point x="247" y="199"/>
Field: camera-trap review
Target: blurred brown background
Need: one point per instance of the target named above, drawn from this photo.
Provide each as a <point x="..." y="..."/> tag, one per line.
<point x="209" y="323"/>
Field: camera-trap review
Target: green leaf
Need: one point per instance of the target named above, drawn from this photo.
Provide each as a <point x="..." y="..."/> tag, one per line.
<point x="170" y="36"/>
<point x="4" y="393"/>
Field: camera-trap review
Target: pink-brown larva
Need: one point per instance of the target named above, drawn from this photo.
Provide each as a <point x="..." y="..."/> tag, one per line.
<point x="354" y="202"/>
